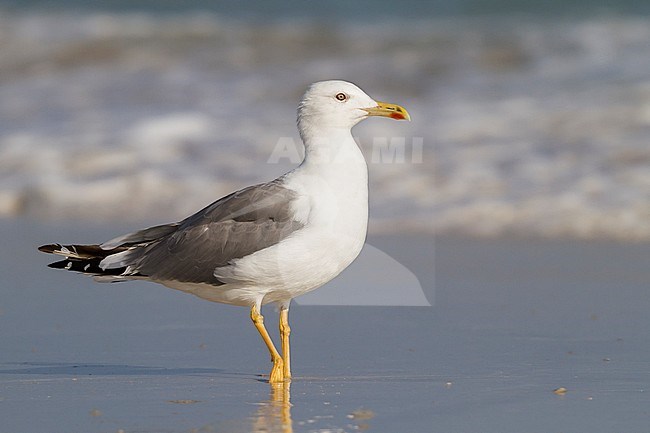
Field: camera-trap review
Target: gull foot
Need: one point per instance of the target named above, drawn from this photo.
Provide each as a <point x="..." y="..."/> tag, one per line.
<point x="277" y="373"/>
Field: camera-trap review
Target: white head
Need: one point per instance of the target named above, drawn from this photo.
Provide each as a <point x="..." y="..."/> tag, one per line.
<point x="341" y="105"/>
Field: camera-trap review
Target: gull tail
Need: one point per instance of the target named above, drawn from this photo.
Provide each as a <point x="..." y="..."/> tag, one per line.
<point x="85" y="259"/>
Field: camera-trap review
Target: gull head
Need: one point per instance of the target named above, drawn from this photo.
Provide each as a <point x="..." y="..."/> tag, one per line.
<point x="339" y="104"/>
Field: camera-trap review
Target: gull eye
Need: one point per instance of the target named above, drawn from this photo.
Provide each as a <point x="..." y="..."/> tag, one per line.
<point x="341" y="97"/>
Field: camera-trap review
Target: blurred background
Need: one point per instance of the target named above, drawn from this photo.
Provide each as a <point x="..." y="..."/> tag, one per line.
<point x="534" y="116"/>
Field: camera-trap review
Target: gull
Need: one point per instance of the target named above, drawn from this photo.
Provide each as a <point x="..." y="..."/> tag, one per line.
<point x="266" y="243"/>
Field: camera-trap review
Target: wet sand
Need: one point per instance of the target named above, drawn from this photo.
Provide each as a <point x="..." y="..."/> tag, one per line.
<point x="511" y="321"/>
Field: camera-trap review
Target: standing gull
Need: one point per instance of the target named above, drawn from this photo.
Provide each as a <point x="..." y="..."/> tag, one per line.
<point x="266" y="243"/>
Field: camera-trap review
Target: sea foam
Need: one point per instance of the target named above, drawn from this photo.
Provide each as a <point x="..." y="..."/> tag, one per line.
<point x="528" y="127"/>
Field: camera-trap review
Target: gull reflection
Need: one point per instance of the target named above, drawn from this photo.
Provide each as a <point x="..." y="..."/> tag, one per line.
<point x="275" y="414"/>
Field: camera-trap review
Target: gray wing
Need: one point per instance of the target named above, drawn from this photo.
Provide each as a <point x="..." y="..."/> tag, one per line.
<point x="235" y="226"/>
<point x="141" y="236"/>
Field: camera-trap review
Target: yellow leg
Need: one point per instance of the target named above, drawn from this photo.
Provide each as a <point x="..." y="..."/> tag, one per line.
<point x="285" y="331"/>
<point x="278" y="364"/>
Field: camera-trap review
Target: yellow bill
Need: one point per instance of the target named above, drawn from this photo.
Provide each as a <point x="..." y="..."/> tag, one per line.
<point x="385" y="109"/>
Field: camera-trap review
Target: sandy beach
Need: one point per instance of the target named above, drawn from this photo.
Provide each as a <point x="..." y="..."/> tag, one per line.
<point x="511" y="321"/>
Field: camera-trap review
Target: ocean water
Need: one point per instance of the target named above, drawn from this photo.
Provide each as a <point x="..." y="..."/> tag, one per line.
<point x="528" y="119"/>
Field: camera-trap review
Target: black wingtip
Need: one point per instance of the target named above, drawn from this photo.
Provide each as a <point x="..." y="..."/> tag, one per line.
<point x="60" y="264"/>
<point x="49" y="248"/>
